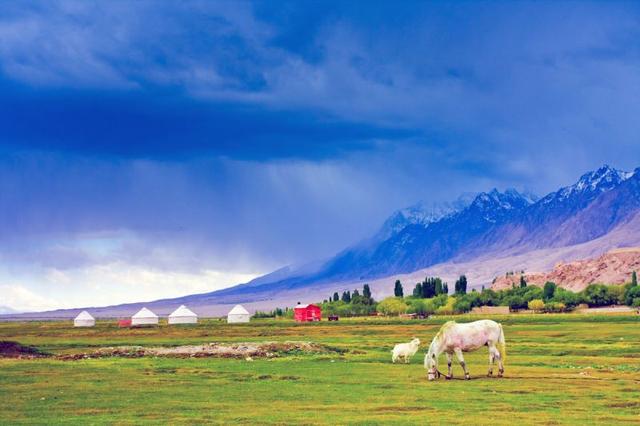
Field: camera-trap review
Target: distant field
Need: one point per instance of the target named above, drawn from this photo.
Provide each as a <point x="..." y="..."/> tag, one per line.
<point x="561" y="369"/>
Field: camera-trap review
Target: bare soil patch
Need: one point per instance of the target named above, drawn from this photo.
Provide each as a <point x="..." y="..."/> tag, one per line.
<point x="9" y="349"/>
<point x="246" y="351"/>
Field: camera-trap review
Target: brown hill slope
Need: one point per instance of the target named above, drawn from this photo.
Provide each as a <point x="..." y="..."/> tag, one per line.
<point x="613" y="267"/>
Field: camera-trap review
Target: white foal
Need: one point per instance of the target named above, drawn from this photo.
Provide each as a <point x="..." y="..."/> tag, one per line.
<point x="454" y="338"/>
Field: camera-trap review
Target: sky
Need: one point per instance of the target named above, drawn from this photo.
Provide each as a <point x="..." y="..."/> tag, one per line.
<point x="158" y="149"/>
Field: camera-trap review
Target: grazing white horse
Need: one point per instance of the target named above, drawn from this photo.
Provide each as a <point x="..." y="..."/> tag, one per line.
<point x="454" y="338"/>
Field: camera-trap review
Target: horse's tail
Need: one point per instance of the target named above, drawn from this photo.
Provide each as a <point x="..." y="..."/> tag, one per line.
<point x="503" y="345"/>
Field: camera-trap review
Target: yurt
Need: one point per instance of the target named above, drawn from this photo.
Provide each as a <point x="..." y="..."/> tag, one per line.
<point x="84" y="319"/>
<point x="144" y="317"/>
<point x="183" y="315"/>
<point x="238" y="314"/>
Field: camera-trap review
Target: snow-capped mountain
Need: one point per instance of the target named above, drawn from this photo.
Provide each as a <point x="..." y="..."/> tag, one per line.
<point x="491" y="222"/>
<point x="590" y="184"/>
<point x="414" y="238"/>
<point x="421" y="213"/>
<point x="594" y="205"/>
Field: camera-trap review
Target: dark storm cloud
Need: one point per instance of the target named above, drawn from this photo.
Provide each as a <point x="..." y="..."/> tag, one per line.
<point x="241" y="133"/>
<point x="171" y="127"/>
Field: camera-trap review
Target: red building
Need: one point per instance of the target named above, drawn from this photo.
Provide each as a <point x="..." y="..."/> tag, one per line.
<point x="304" y="313"/>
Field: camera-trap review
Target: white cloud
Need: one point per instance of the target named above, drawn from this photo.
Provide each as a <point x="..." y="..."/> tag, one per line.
<point x="121" y="282"/>
<point x="20" y="298"/>
<point x="108" y="284"/>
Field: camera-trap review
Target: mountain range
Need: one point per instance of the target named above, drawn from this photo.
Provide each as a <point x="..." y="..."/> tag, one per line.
<point x="481" y="235"/>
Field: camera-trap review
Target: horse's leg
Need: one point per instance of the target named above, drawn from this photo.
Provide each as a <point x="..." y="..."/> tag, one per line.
<point x="462" y="364"/>
<point x="492" y="358"/>
<point x="498" y="355"/>
<point x="450" y="371"/>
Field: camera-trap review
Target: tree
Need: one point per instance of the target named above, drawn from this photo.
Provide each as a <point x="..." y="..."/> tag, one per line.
<point x="631" y="295"/>
<point x="549" y="290"/>
<point x="634" y="279"/>
<point x="366" y="292"/>
<point x="523" y="282"/>
<point x="355" y="293"/>
<point x="461" y="306"/>
<point x="598" y="295"/>
<point x="417" y="290"/>
<point x="461" y="285"/>
<point x="445" y="288"/>
<point x="397" y="291"/>
<point x="418" y="306"/>
<point x="346" y="296"/>
<point x="566" y="297"/>
<point x="336" y="297"/>
<point x="429" y="288"/>
<point x="516" y="302"/>
<point x="438" y="289"/>
<point x="489" y="298"/>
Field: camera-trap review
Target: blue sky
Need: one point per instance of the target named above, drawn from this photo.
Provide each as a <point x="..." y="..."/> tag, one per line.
<point x="153" y="149"/>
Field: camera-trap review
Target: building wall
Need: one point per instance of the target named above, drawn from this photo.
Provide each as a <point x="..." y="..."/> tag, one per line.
<point x="183" y="320"/>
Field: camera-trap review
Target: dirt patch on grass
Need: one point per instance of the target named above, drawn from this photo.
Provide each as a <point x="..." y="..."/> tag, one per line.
<point x="246" y="351"/>
<point x="9" y="349"/>
<point x="630" y="404"/>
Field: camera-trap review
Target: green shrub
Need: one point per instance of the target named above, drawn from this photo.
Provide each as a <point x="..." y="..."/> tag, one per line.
<point x="599" y="295"/>
<point x="617" y="293"/>
<point x="392" y="306"/>
<point x="516" y="302"/>
<point x="461" y="306"/>
<point x="448" y="308"/>
<point x="555" y="307"/>
<point x="489" y="298"/>
<point x="567" y="297"/>
<point x="632" y="293"/>
<point x="417" y="306"/>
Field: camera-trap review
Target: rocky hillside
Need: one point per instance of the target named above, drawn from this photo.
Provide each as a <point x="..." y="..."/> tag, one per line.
<point x="613" y="267"/>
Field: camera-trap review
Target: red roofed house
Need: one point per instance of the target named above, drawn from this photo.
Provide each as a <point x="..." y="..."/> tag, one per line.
<point x="304" y="313"/>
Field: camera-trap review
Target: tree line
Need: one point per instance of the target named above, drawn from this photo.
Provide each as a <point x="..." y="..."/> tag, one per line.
<point x="431" y="296"/>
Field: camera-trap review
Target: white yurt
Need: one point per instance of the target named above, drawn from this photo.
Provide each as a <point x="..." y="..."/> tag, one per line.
<point x="84" y="319"/>
<point x="183" y="315"/>
<point x="238" y="314"/>
<point x="144" y="317"/>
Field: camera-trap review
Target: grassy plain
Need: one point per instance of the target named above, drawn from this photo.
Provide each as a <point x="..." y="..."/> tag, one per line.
<point x="561" y="369"/>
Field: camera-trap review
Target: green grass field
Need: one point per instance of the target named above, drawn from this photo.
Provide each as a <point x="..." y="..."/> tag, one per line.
<point x="561" y="369"/>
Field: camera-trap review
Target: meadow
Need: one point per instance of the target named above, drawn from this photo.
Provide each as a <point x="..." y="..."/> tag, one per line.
<point x="560" y="369"/>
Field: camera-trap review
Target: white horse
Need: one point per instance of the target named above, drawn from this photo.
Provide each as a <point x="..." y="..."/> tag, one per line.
<point x="457" y="338"/>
